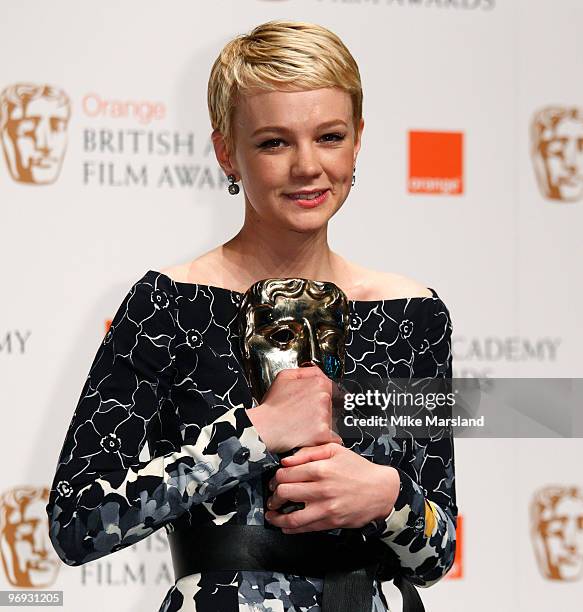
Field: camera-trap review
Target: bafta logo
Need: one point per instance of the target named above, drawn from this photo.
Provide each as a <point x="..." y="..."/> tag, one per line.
<point x="33" y="128"/>
<point x="27" y="555"/>
<point x="292" y="323"/>
<point x="557" y="532"/>
<point x="557" y="152"/>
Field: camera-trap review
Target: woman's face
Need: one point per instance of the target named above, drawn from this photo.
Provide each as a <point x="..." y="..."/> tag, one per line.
<point x="292" y="141"/>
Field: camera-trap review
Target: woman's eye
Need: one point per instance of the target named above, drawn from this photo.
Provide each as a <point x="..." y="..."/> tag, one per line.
<point x="272" y="144"/>
<point x="337" y="137"/>
<point x="268" y="143"/>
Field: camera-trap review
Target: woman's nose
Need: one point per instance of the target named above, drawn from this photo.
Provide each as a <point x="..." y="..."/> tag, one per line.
<point x="306" y="162"/>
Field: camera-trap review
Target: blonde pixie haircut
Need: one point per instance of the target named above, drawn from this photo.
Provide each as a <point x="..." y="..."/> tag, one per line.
<point x="280" y="55"/>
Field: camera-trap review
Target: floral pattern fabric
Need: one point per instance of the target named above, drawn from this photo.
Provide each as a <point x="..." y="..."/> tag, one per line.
<point x="167" y="379"/>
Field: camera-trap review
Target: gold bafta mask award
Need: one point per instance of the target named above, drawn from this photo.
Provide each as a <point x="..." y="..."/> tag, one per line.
<point x="291" y="323"/>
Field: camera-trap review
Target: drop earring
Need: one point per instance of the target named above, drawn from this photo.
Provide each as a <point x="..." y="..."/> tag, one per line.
<point x="354" y="176"/>
<point x="233" y="187"/>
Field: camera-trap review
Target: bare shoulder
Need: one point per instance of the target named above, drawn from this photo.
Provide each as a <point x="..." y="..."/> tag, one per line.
<point x="199" y="270"/>
<point x="177" y="273"/>
<point x="389" y="285"/>
<point x="404" y="286"/>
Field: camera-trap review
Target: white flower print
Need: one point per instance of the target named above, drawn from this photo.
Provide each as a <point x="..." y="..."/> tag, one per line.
<point x="64" y="488"/>
<point x="193" y="338"/>
<point x="159" y="299"/>
<point x="406" y="328"/>
<point x="110" y="443"/>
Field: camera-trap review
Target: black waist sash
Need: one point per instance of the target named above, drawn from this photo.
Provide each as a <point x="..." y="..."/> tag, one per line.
<point x="347" y="562"/>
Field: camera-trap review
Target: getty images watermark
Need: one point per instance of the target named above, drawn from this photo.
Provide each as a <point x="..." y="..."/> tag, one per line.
<point x="461" y="407"/>
<point x="409" y="401"/>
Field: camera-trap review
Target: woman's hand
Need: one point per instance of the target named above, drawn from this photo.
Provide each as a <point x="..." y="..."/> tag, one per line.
<point x="339" y="488"/>
<point x="296" y="410"/>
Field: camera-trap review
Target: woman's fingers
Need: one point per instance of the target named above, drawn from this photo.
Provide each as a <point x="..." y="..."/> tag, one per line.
<point x="308" y="453"/>
<point x="297" y="518"/>
<point x="294" y="491"/>
<point x="305" y="472"/>
<point x="305" y="372"/>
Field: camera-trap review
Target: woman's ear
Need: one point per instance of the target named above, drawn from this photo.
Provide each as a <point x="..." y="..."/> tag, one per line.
<point x="222" y="153"/>
<point x="358" y="138"/>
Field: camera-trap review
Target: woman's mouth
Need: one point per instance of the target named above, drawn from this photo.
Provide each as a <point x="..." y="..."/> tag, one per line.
<point x="308" y="199"/>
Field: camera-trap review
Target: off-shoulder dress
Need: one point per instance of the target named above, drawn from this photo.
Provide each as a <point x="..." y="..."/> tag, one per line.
<point x="167" y="373"/>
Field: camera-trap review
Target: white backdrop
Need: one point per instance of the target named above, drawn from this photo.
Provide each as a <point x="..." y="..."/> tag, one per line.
<point x="504" y="257"/>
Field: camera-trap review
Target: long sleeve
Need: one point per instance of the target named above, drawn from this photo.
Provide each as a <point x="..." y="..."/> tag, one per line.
<point x="103" y="498"/>
<point x="421" y="528"/>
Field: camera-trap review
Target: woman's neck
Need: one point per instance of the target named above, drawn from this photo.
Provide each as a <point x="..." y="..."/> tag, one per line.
<point x="296" y="254"/>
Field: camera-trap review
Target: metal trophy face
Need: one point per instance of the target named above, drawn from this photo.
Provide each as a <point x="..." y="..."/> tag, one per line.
<point x="292" y="323"/>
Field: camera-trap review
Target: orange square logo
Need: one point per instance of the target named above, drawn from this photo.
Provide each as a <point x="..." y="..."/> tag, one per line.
<point x="436" y="163"/>
<point x="457" y="569"/>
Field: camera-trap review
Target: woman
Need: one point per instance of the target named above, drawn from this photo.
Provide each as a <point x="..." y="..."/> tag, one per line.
<point x="285" y="103"/>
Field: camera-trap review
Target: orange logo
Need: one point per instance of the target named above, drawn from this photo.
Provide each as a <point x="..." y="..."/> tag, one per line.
<point x="556" y="523"/>
<point x="33" y="128"/>
<point x="457" y="569"/>
<point x="436" y="162"/>
<point x="27" y="554"/>
<point x="556" y="136"/>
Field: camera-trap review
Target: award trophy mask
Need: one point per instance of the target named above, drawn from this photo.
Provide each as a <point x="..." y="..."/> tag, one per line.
<point x="291" y="323"/>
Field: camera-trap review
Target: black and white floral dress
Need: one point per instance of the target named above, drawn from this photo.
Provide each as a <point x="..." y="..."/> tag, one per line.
<point x="167" y="374"/>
